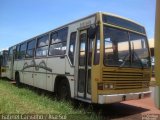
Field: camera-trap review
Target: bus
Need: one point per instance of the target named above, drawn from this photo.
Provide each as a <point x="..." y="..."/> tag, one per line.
<point x="3" y="63"/>
<point x="102" y="59"/>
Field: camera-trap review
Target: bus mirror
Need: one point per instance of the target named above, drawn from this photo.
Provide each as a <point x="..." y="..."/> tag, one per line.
<point x="92" y="31"/>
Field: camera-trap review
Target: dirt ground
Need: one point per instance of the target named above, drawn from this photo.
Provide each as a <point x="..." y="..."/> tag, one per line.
<point x="143" y="109"/>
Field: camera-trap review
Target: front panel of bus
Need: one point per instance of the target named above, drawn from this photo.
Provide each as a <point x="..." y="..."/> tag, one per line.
<point x="123" y="72"/>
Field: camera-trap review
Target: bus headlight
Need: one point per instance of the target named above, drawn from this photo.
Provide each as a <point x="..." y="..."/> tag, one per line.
<point x="109" y="86"/>
<point x="106" y="86"/>
<point x="102" y="86"/>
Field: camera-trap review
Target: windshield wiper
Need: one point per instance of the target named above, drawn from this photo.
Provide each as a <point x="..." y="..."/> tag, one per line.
<point x="124" y="60"/>
<point x="134" y="54"/>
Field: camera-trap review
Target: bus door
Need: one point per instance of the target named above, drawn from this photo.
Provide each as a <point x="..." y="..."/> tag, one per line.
<point x="84" y="65"/>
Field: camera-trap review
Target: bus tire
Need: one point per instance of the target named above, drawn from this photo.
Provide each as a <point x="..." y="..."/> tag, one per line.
<point x="17" y="78"/>
<point x="63" y="91"/>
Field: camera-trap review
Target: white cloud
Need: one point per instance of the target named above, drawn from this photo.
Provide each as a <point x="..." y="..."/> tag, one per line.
<point x="3" y="49"/>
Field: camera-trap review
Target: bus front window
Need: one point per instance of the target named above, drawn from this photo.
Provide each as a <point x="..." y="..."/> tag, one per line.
<point x="125" y="49"/>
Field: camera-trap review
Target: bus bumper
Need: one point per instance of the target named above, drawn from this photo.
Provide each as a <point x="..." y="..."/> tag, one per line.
<point x="107" y="99"/>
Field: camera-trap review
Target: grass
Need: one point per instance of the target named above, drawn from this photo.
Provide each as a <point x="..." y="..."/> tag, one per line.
<point x="15" y="100"/>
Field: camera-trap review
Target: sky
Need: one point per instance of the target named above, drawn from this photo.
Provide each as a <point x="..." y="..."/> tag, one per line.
<point x="24" y="19"/>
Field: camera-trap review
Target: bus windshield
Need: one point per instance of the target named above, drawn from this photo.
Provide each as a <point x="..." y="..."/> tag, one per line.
<point x="125" y="49"/>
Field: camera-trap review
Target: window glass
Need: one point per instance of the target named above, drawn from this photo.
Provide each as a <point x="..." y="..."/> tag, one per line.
<point x="97" y="48"/>
<point x="82" y="52"/>
<point x="58" y="49"/>
<point x="42" y="51"/>
<point x="5" y="57"/>
<point x="31" y="49"/>
<point x="22" y="51"/>
<point x="125" y="49"/>
<point x="139" y="51"/>
<point x="90" y="47"/>
<point x="30" y="53"/>
<point x="23" y="47"/>
<point x="59" y="36"/>
<point x="31" y="44"/>
<point x="42" y="46"/>
<point x="43" y="40"/>
<point x="54" y="38"/>
<point x="123" y="23"/>
<point x="81" y="80"/>
<point x="17" y="52"/>
<point x="72" y="46"/>
<point x="10" y="53"/>
<point x="62" y="34"/>
<point x="116" y="47"/>
<point x="58" y="42"/>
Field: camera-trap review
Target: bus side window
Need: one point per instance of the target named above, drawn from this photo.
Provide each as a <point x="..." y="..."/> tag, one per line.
<point x="42" y="46"/>
<point x="30" y="48"/>
<point x="97" y="49"/>
<point x="5" y="57"/>
<point x="58" y="42"/>
<point x="10" y="54"/>
<point x="17" y="52"/>
<point x="72" y="46"/>
<point x="22" y="50"/>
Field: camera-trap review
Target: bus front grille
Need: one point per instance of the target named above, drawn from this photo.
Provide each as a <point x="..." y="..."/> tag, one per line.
<point x="126" y="80"/>
<point x="130" y="85"/>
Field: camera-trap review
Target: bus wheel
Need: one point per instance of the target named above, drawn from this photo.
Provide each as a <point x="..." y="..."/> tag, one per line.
<point x="17" y="78"/>
<point x="64" y="90"/>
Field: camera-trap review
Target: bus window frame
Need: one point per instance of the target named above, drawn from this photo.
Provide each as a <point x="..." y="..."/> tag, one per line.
<point x="9" y="53"/>
<point x="95" y="47"/>
<point x="46" y="45"/>
<point x="17" y="52"/>
<point x="33" y="49"/>
<point x="129" y="32"/>
<point x="20" y="50"/>
<point x="50" y="43"/>
<point x="74" y="49"/>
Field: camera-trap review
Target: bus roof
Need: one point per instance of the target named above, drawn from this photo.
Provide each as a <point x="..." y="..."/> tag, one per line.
<point x="65" y="25"/>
